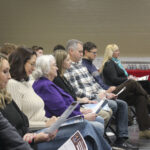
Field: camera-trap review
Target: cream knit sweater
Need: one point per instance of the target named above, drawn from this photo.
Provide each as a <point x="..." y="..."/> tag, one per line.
<point x="28" y="102"/>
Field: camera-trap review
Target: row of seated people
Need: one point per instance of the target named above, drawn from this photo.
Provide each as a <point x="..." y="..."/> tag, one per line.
<point x="114" y="75"/>
<point x="81" y="86"/>
<point x="22" y="63"/>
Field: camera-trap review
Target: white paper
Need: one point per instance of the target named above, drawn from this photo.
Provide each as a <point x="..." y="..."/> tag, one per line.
<point x="121" y="91"/>
<point x="142" y="78"/>
<point x="62" y="118"/>
<point x="96" y="107"/>
<point x="75" y="142"/>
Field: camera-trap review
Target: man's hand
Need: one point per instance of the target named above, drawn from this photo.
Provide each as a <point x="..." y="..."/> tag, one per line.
<point x="102" y="94"/>
<point x="111" y="96"/>
<point x="111" y="89"/>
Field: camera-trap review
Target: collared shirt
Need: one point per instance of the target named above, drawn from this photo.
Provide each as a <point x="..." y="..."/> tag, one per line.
<point x="82" y="81"/>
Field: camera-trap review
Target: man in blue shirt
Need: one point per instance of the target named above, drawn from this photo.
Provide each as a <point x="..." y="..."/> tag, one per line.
<point x="89" y="54"/>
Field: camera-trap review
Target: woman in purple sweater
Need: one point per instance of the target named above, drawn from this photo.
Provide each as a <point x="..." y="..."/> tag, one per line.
<point x="55" y="99"/>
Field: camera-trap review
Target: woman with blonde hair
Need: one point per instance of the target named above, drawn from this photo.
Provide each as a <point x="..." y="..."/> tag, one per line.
<point x="115" y="75"/>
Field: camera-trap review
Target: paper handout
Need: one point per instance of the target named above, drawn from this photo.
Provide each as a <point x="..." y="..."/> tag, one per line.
<point x="96" y="107"/>
<point x="75" y="142"/>
<point x="62" y="118"/>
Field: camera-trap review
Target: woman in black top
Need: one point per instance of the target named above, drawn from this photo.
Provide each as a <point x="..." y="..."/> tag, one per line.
<point x="63" y="63"/>
<point x="115" y="74"/>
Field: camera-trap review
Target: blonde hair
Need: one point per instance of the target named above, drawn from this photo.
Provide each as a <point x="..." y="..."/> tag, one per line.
<point x="60" y="56"/>
<point x="109" y="50"/>
<point x="5" y="97"/>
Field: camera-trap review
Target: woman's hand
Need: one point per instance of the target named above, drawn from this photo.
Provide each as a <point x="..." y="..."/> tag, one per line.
<point x="51" y="121"/>
<point x="85" y="100"/>
<point x="85" y="110"/>
<point x="39" y="137"/>
<point x="132" y="77"/>
<point x="29" y="137"/>
<point x="90" y="116"/>
<point x="43" y="137"/>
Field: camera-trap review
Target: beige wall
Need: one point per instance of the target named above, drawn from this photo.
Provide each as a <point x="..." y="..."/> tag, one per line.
<point x="49" y="22"/>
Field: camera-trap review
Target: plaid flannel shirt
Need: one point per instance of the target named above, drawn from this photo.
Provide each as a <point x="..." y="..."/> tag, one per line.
<point x="82" y="81"/>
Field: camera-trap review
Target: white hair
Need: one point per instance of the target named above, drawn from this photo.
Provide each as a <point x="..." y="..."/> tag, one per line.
<point x="42" y="67"/>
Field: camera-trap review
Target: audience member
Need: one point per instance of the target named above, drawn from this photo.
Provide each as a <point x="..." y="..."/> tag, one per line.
<point x="86" y="86"/>
<point x="118" y="73"/>
<point x="38" y="50"/>
<point x="8" y="48"/>
<point x="58" y="47"/>
<point x="134" y="94"/>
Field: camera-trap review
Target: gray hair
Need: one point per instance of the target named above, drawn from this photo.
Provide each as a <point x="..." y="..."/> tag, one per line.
<point x="72" y="44"/>
<point x="42" y="67"/>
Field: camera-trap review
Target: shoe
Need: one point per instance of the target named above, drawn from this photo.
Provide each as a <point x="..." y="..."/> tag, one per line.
<point x="144" y="134"/>
<point x="117" y="148"/>
<point x="127" y="146"/>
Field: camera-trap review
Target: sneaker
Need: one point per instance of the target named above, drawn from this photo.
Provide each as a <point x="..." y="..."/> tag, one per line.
<point x="127" y="146"/>
<point x="144" y="134"/>
<point x="117" y="148"/>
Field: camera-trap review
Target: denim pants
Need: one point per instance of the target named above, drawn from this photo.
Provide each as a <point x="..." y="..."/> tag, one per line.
<point x="90" y="130"/>
<point x="120" y="111"/>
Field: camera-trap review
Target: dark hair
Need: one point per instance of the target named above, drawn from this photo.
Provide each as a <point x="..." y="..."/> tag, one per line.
<point x="58" y="47"/>
<point x="36" y="48"/>
<point x="88" y="46"/>
<point x="17" y="61"/>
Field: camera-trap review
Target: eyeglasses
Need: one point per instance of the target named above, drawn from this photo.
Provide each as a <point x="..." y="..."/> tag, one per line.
<point x="93" y="52"/>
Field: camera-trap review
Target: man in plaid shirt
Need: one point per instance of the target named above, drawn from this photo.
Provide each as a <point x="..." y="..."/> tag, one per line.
<point x="85" y="86"/>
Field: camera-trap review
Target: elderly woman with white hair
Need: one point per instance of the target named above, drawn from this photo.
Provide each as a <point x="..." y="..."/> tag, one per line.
<point x="56" y="100"/>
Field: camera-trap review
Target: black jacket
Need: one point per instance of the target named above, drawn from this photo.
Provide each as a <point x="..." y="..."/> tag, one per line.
<point x="65" y="85"/>
<point x="112" y="74"/>
<point x="9" y="138"/>
<point x="16" y="117"/>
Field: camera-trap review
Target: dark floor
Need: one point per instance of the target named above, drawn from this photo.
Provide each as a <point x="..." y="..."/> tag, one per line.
<point x="143" y="144"/>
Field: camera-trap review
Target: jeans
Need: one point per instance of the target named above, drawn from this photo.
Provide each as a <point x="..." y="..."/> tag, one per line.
<point x="90" y="130"/>
<point x="120" y="111"/>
